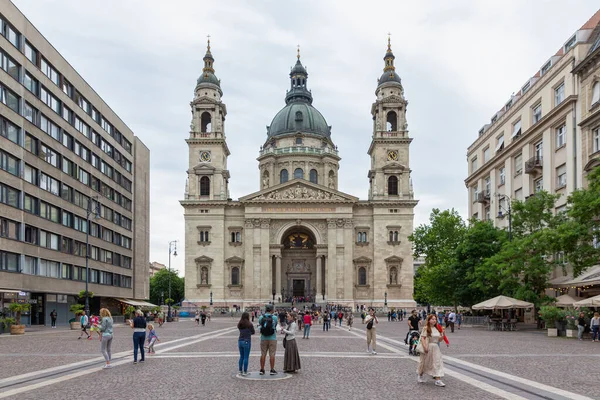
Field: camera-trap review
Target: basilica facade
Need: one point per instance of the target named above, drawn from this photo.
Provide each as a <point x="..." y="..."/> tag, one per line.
<point x="298" y="235"/>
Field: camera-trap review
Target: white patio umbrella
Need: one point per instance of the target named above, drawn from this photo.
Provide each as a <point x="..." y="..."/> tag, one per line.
<point x="567" y="301"/>
<point x="589" y="302"/>
<point x="502" y="303"/>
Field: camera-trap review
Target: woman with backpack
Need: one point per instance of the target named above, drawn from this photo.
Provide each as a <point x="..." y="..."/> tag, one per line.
<point x="246" y="329"/>
<point x="291" y="358"/>
<point x="371" y="320"/>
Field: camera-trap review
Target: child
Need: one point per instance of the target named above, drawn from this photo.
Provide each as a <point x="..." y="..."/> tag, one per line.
<point x="94" y="320"/>
<point x="151" y="339"/>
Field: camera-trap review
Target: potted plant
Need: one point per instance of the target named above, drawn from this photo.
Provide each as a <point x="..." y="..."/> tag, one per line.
<point x="129" y="310"/>
<point x="550" y="315"/>
<point x="76" y="309"/>
<point x="7" y="323"/>
<point x="571" y="316"/>
<point x="18" y="308"/>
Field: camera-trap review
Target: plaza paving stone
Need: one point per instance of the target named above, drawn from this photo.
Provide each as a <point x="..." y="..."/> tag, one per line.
<point x="335" y="364"/>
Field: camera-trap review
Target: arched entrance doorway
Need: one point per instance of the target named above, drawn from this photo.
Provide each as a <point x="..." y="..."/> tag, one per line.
<point x="298" y="255"/>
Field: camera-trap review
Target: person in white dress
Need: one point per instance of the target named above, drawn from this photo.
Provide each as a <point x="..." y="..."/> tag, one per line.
<point x="430" y="362"/>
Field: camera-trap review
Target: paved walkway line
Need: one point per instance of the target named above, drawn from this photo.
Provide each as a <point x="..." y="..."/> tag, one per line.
<point x="473" y="382"/>
<point x="85" y="363"/>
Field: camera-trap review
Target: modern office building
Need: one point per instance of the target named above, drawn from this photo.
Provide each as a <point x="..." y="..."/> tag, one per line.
<point x="65" y="155"/>
<point x="545" y="137"/>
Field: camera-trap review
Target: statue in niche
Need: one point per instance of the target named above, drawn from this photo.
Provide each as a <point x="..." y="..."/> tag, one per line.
<point x="378" y="124"/>
<point x="393" y="277"/>
<point x="331" y="181"/>
<point x="204" y="276"/>
<point x="265" y="182"/>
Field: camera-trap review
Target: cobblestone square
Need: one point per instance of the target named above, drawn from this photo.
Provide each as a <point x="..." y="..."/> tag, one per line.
<point x="201" y="362"/>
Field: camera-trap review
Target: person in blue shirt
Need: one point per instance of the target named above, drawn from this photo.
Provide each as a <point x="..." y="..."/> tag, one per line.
<point x="268" y="338"/>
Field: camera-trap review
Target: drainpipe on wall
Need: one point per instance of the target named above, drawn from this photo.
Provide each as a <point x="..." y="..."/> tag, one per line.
<point x="576" y="91"/>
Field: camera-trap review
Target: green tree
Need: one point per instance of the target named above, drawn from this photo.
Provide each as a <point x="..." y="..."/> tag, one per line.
<point x="523" y="266"/>
<point x="436" y="280"/>
<point x="580" y="231"/>
<point x="159" y="286"/>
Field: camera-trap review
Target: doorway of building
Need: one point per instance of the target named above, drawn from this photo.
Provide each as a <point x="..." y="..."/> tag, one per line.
<point x="298" y="286"/>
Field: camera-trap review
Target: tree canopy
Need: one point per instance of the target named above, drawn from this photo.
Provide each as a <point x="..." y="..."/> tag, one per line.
<point x="159" y="286"/>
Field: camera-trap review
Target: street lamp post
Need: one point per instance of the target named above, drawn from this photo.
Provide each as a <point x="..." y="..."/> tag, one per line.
<point x="508" y="212"/>
<point x="96" y="211"/>
<point x="385" y="302"/>
<point x="273" y="297"/>
<point x="172" y="248"/>
<point x="211" y="302"/>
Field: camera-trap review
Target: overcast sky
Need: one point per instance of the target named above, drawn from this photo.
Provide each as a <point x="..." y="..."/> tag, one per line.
<point x="459" y="62"/>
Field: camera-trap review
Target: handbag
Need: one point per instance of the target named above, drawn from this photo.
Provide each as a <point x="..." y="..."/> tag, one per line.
<point x="284" y="341"/>
<point x="419" y="348"/>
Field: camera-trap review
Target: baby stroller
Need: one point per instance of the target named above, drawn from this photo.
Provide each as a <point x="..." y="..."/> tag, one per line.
<point x="413" y="339"/>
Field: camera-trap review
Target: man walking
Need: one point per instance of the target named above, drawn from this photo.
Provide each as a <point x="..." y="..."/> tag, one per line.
<point x="414" y="321"/>
<point x="268" y="339"/>
<point x="84" y="320"/>
<point x="53" y="316"/>
<point x="371" y="321"/>
<point x="451" y="320"/>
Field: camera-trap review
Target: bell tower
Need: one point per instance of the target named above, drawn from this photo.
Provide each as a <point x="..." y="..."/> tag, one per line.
<point x="208" y="176"/>
<point x="389" y="176"/>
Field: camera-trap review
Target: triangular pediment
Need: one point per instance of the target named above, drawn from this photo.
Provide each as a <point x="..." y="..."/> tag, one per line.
<point x="203" y="259"/>
<point x="393" y="259"/>
<point x="362" y="260"/>
<point x="394" y="166"/>
<point x="299" y="190"/>
<point x="234" y="260"/>
<point x="392" y="99"/>
<point x="202" y="168"/>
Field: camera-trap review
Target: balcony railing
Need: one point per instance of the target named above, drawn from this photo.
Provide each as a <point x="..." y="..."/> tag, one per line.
<point x="298" y="150"/>
<point x="390" y="134"/>
<point x="483" y="197"/>
<point x="533" y="165"/>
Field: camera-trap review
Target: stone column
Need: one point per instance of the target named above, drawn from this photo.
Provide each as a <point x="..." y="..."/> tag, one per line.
<point x="330" y="291"/>
<point x="319" y="277"/>
<point x="278" y="277"/>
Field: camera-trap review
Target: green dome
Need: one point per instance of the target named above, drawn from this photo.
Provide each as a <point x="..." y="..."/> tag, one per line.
<point x="298" y="117"/>
<point x="208" y="77"/>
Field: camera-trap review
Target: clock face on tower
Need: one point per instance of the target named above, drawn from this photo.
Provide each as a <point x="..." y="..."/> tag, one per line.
<point x="205" y="156"/>
<point x="392" y="155"/>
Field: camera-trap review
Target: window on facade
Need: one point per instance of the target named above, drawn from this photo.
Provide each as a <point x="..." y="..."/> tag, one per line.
<point x="50" y="100"/>
<point x="487" y="186"/>
<point x="9" y="99"/>
<point x="314" y="176"/>
<point x="29" y="266"/>
<point x="559" y="94"/>
<point x="9" y="65"/>
<point x="236" y="237"/>
<point x="518" y="160"/>
<point x="393" y="186"/>
<point x="30" y="84"/>
<point x="30" y="204"/>
<point x="49" y="240"/>
<point x="560" y="136"/>
<point x="475" y="193"/>
<point x="392" y="121"/>
<point x="283" y="176"/>
<point x="235" y="276"/>
<point x="49" y="127"/>
<point x="500" y="143"/>
<point x="362" y="276"/>
<point x="538" y="150"/>
<point x="9" y="196"/>
<point x="204" y="236"/>
<point x="561" y="176"/>
<point x="49" y="184"/>
<point x="298" y="173"/>
<point x="486" y="154"/>
<point x="361" y="237"/>
<point x="538" y="185"/>
<point x="10" y="33"/>
<point x="474" y="164"/>
<point x="9" y="163"/>
<point x="298" y="140"/>
<point x="31" y="53"/>
<point x="596" y="140"/>
<point x="536" y="113"/>
<point x="393" y="236"/>
<point x="9" y="131"/>
<point x="519" y="194"/>
<point x="49" y="71"/>
<point x="502" y="175"/>
<point x="205" y="122"/>
<point x="9" y="229"/>
<point x="30" y="113"/>
<point x="596" y="93"/>
<point x="205" y="186"/>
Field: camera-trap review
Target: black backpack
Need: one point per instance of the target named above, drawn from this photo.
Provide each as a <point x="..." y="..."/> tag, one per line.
<point x="370" y="323"/>
<point x="267" y="328"/>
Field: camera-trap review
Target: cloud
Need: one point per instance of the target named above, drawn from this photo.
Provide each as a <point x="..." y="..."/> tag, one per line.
<point x="459" y="62"/>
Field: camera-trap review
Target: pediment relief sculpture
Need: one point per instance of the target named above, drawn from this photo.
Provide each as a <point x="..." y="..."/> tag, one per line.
<point x="299" y="193"/>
